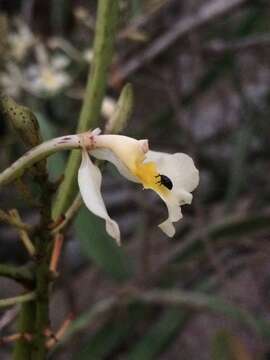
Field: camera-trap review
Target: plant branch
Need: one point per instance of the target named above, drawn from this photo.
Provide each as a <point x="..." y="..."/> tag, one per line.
<point x="36" y="154"/>
<point x="58" y="243"/>
<point x="11" y="220"/>
<point x="17" y="299"/>
<point x="23" y="234"/>
<point x="26" y="327"/>
<point x="20" y="274"/>
<point x="95" y="90"/>
<point x="208" y="12"/>
<point x="71" y="212"/>
<point x="42" y="271"/>
<point x="249" y="42"/>
<point x="60" y="333"/>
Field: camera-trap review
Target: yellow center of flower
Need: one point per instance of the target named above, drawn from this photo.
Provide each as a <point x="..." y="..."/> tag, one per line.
<point x="149" y="176"/>
<point x="131" y="153"/>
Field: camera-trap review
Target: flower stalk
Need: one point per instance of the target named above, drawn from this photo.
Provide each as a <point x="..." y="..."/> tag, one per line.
<point x="14" y="221"/>
<point x="37" y="154"/>
<point x="106" y="25"/>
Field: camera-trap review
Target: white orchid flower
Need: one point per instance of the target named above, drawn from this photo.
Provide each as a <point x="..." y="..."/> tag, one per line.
<point x="172" y="176"/>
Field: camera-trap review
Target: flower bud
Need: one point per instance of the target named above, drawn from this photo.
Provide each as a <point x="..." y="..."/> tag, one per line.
<point x="22" y="120"/>
<point x="122" y="113"/>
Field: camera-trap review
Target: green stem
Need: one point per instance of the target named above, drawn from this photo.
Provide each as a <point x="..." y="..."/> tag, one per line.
<point x="6" y="218"/>
<point x="42" y="310"/>
<point x="17" y="299"/>
<point x="43" y="242"/>
<point x="37" y="154"/>
<point x="21" y="274"/>
<point x="26" y="324"/>
<point x="95" y="90"/>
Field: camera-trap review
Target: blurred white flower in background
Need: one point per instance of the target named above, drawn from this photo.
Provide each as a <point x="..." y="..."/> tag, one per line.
<point x="31" y="66"/>
<point x="48" y="75"/>
<point x="20" y="41"/>
<point x="88" y="55"/>
<point x="11" y="80"/>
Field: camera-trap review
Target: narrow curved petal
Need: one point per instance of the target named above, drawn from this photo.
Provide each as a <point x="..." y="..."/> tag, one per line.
<point x="174" y="214"/>
<point x="89" y="180"/>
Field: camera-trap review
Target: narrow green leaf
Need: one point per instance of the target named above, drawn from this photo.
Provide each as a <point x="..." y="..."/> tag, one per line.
<point x="111" y="335"/>
<point x="159" y="335"/>
<point x="99" y="247"/>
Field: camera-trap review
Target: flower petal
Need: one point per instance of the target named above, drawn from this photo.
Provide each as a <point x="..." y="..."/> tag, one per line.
<point x="128" y="150"/>
<point x="107" y="154"/>
<point x="178" y="167"/>
<point x="89" y="180"/>
<point x="174" y="214"/>
<point x="134" y="161"/>
<point x="168" y="228"/>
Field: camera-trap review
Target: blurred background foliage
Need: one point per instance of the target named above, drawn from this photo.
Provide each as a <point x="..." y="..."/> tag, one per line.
<point x="204" y="92"/>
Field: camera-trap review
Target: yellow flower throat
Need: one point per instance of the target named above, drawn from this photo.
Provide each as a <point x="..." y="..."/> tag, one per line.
<point x="148" y="174"/>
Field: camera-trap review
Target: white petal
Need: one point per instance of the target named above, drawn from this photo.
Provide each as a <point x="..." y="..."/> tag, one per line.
<point x="168" y="228"/>
<point x="89" y="180"/>
<point x="126" y="153"/>
<point x="178" y="167"/>
<point x="128" y="150"/>
<point x="174" y="214"/>
<point x="182" y="172"/>
<point x="174" y="211"/>
<point x="107" y="154"/>
<point x="96" y="131"/>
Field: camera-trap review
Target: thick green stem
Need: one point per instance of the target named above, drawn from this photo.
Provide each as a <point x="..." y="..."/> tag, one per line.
<point x="26" y="325"/>
<point x="43" y="241"/>
<point x="42" y="310"/>
<point x="95" y="90"/>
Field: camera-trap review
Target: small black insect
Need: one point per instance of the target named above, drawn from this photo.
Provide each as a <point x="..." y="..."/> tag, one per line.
<point x="165" y="181"/>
